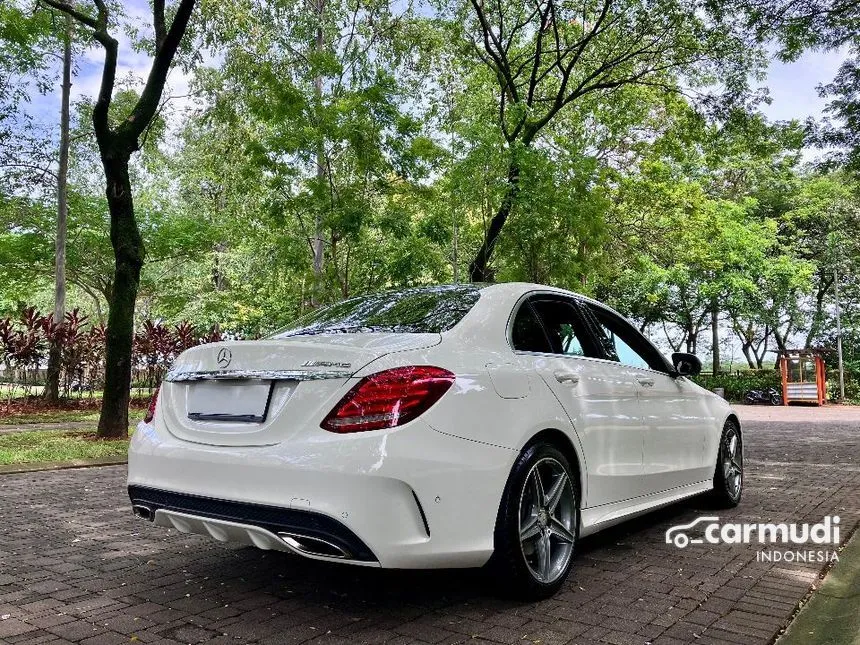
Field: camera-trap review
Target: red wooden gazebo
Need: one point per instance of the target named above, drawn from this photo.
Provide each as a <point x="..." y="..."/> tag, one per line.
<point x="803" y="377"/>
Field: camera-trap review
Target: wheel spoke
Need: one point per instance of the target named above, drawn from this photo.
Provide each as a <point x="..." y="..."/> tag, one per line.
<point x="530" y="530"/>
<point x="553" y="497"/>
<point x="561" y="531"/>
<point x="540" y="496"/>
<point x="733" y="446"/>
<point x="544" y="553"/>
<point x="733" y="476"/>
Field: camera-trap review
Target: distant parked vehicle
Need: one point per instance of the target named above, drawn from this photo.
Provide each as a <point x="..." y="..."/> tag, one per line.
<point x="769" y="396"/>
<point x="82" y="386"/>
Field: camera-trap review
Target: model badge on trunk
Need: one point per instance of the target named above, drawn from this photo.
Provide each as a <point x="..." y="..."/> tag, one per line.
<point x="224" y="357"/>
<point x="325" y="364"/>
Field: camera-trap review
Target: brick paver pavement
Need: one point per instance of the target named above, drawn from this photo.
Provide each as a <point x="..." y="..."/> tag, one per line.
<point x="75" y="566"/>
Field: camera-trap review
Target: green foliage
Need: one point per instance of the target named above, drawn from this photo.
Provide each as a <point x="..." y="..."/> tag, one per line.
<point x="371" y="127"/>
<point x="739" y="383"/>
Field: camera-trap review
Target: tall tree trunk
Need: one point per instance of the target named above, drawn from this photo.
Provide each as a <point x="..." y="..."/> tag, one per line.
<point x="715" y="336"/>
<point x="780" y="344"/>
<point x="692" y="336"/>
<point x="479" y="268"/>
<point x="52" y="384"/>
<point x="318" y="242"/>
<point x="825" y="281"/>
<point x="129" y="252"/>
<point x="745" y="348"/>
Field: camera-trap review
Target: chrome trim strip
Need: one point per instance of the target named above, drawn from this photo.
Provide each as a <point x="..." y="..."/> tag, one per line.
<point x="179" y="375"/>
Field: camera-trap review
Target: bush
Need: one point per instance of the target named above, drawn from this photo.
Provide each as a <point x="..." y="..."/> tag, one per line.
<point x="852" y="386"/>
<point x="738" y="383"/>
<point x="25" y="343"/>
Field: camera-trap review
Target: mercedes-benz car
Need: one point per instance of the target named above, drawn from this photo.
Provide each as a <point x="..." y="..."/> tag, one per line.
<point x="448" y="426"/>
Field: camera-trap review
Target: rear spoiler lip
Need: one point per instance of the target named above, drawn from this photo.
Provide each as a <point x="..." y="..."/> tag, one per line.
<point x="180" y="375"/>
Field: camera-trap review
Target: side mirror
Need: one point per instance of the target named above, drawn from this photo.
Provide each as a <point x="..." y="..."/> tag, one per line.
<point x="686" y="364"/>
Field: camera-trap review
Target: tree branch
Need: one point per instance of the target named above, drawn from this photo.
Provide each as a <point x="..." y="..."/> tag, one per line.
<point x="158" y="22"/>
<point x="101" y="108"/>
<point x="43" y="171"/>
<point x="69" y="10"/>
<point x="149" y="100"/>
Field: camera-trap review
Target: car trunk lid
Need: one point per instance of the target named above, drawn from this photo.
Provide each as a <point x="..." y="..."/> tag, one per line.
<point x="247" y="393"/>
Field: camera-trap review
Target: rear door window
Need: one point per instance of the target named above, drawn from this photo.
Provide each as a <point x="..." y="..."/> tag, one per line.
<point x="527" y="333"/>
<point x="554" y="326"/>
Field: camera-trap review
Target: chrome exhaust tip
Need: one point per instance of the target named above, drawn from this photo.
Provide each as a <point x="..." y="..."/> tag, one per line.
<point x="143" y="512"/>
<point x="307" y="545"/>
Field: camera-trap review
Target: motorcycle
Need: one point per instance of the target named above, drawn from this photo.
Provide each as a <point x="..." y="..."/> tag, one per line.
<point x="770" y="396"/>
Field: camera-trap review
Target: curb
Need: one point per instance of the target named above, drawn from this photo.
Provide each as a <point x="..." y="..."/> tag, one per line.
<point x="38" y="466"/>
<point x="832" y="614"/>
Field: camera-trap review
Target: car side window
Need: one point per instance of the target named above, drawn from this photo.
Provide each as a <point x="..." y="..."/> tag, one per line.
<point x="623" y="352"/>
<point x="564" y="327"/>
<point x="625" y="344"/>
<point x="527" y="334"/>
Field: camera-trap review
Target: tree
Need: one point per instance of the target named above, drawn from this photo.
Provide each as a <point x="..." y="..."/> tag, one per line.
<point x="550" y="54"/>
<point x="52" y="381"/>
<point x="116" y="145"/>
<point x="313" y="89"/>
<point x="798" y="25"/>
<point x="822" y="208"/>
<point x="26" y="48"/>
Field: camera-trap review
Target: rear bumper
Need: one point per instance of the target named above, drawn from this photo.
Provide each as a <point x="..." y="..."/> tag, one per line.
<point x="407" y="498"/>
<point x="283" y="529"/>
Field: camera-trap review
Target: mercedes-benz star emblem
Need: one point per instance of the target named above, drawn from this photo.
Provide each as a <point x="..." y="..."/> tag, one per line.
<point x="224" y="357"/>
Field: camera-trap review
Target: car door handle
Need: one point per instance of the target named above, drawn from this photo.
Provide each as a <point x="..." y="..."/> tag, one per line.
<point x="567" y="377"/>
<point x="647" y="381"/>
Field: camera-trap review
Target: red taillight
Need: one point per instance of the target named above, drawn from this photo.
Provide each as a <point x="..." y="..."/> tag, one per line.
<point x="150" y="411"/>
<point x="389" y="399"/>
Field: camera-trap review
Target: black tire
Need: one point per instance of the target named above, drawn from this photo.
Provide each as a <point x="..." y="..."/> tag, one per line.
<point x="775" y="399"/>
<point x="729" y="472"/>
<point x="516" y="563"/>
<point x="750" y="398"/>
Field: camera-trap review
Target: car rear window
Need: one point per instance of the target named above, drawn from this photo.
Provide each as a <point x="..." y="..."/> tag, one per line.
<point x="419" y="310"/>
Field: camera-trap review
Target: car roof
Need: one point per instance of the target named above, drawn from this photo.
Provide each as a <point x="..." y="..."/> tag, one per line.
<point x="518" y="289"/>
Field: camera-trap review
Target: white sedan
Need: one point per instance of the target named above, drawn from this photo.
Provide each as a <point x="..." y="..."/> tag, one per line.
<point x="451" y="426"/>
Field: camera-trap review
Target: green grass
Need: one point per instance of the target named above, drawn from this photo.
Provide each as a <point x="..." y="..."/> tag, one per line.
<point x="56" y="445"/>
<point x="62" y="416"/>
<point x="9" y="390"/>
<point x="49" y="416"/>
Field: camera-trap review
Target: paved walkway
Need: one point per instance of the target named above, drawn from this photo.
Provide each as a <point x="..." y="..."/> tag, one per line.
<point x="76" y="567"/>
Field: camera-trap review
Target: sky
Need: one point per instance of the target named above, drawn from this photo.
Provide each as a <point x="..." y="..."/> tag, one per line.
<point x="792" y="85"/>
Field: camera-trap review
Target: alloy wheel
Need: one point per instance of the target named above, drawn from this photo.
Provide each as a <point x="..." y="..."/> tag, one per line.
<point x="547" y="520"/>
<point x="733" y="462"/>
